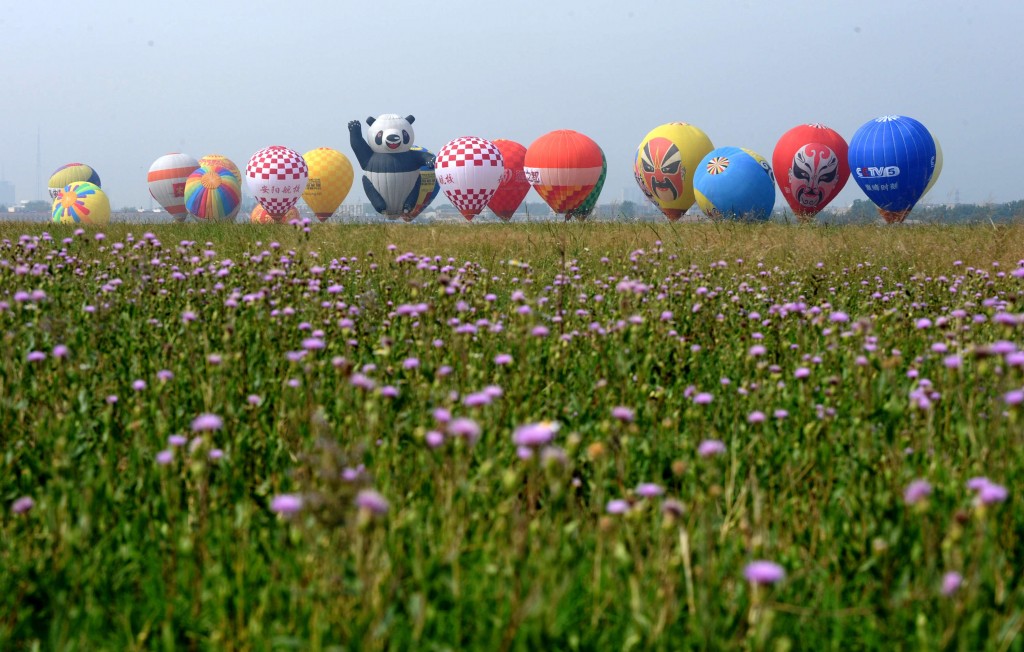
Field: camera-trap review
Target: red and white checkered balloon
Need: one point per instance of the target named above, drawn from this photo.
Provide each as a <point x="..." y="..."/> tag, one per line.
<point x="277" y="177"/>
<point x="469" y="170"/>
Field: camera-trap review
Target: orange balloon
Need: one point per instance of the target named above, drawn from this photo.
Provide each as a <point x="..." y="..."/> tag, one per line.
<point x="260" y="215"/>
<point x="563" y="166"/>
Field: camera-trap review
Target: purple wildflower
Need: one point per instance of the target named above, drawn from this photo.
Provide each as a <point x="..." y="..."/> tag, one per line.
<point x="710" y="447"/>
<point x="764" y="572"/>
<point x="207" y="422"/>
<point x="22" y="505"/>
<point x="623" y="413"/>
<point x="951" y="583"/>
<point x="649" y="490"/>
<point x="617" y="506"/>
<point x="371" y="501"/>
<point x="535" y="435"/>
<point x="917" y="491"/>
<point x="286" y="504"/>
<point x="165" y="457"/>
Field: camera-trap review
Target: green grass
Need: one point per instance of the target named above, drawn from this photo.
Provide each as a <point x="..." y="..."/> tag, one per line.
<point x="479" y="548"/>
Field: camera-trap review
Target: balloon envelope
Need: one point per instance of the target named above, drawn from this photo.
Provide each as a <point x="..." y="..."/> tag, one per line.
<point x="584" y="210"/>
<point x="167" y="177"/>
<point x="469" y="170"/>
<point x="811" y="166"/>
<point x="330" y="179"/>
<point x="665" y="164"/>
<point x="224" y="161"/>
<point x="938" y="167"/>
<point x="513" y="187"/>
<point x="277" y="177"/>
<point x="259" y="215"/>
<point x="428" y="187"/>
<point x="736" y="183"/>
<point x="212" y="193"/>
<point x="81" y="202"/>
<point x="70" y="173"/>
<point x="892" y="158"/>
<point x="563" y="166"/>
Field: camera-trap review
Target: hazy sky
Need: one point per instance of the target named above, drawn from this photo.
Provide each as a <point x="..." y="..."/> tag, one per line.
<point x="121" y="82"/>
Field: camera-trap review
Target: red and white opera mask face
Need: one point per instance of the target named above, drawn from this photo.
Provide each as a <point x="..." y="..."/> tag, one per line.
<point x="661" y="165"/>
<point x="814" y="175"/>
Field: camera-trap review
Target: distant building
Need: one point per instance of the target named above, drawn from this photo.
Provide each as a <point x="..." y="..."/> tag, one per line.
<point x="6" y="193"/>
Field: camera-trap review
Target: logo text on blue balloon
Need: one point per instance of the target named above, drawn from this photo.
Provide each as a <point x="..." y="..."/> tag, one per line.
<point x="877" y="172"/>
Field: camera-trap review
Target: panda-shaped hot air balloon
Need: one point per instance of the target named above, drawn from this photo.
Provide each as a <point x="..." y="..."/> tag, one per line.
<point x="391" y="178"/>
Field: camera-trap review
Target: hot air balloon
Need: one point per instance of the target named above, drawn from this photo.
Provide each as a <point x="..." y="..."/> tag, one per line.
<point x="666" y="161"/>
<point x="212" y="193"/>
<point x="81" y="202"/>
<point x="259" y="215"/>
<point x="469" y="170"/>
<point x="428" y="187"/>
<point x="391" y="167"/>
<point x="736" y="183"/>
<point x="638" y="175"/>
<point x="563" y="166"/>
<point x="167" y="178"/>
<point x="330" y="179"/>
<point x="892" y="158"/>
<point x="938" y="167"/>
<point x="583" y="211"/>
<point x="811" y="168"/>
<point x="70" y="173"/>
<point x="277" y="176"/>
<point x="514" y="186"/>
<point x="223" y="161"/>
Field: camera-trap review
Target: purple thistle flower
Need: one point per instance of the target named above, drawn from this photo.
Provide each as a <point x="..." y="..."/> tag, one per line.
<point x="839" y="317"/>
<point x="216" y="454"/>
<point x="389" y="391"/>
<point x="434" y="438"/>
<point x="35" y="356"/>
<point x="22" y="505"/>
<point x="411" y="363"/>
<point x="710" y="447"/>
<point x="60" y="351"/>
<point x="952" y="362"/>
<point x="465" y="428"/>
<point x="313" y="344"/>
<point x="138" y="385"/>
<point x="917" y="491"/>
<point x="649" y="490"/>
<point x="253" y="399"/>
<point x="476" y="399"/>
<point x="286" y="504"/>
<point x="540" y="331"/>
<point x="617" y="506"/>
<point x="207" y="422"/>
<point x="177" y="440"/>
<point x="951" y="583"/>
<point x="442" y="415"/>
<point x="112" y="399"/>
<point x="763" y="572"/>
<point x="801" y="373"/>
<point x="703" y="398"/>
<point x="372" y="501"/>
<point x="757" y="350"/>
<point x="1014" y="397"/>
<point x="164" y="375"/>
<point x="535" y="435"/>
<point x="503" y="359"/>
<point x="623" y="413"/>
<point x="756" y="417"/>
<point x="165" y="457"/>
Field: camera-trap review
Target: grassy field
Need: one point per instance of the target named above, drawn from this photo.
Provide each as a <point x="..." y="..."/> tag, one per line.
<point x="508" y="437"/>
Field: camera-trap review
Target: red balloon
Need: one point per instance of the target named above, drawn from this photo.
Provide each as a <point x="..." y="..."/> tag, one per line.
<point x="514" y="186"/>
<point x="811" y="167"/>
<point x="563" y="166"/>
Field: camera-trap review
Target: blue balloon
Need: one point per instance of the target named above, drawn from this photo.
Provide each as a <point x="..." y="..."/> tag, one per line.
<point x="892" y="158"/>
<point x="734" y="182"/>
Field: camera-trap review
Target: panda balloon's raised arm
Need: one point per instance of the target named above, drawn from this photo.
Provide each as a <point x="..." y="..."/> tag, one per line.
<point x="360" y="147"/>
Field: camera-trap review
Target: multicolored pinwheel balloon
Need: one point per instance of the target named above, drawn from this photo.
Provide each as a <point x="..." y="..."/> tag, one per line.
<point x="81" y="202"/>
<point x="212" y="193"/>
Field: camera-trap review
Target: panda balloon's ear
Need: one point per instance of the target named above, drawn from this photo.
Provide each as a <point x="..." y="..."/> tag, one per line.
<point x="371" y="120"/>
<point x="410" y="119"/>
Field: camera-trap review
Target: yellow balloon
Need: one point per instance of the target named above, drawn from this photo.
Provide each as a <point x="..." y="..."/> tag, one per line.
<point x="82" y="202"/>
<point x="665" y="163"/>
<point x="938" y="167"/>
<point x="330" y="179"/>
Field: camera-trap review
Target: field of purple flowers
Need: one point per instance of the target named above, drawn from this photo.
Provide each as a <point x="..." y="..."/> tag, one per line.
<point x="581" y="436"/>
